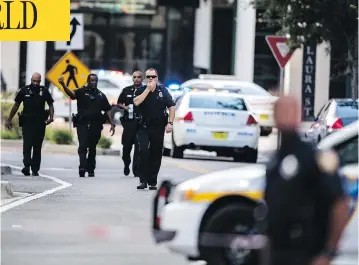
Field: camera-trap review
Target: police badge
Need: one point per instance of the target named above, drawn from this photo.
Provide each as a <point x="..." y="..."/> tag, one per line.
<point x="40" y="93"/>
<point x="160" y="94"/>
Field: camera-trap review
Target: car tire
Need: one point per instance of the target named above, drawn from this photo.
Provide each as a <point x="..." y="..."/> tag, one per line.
<point x="225" y="220"/>
<point x="250" y="156"/>
<point x="176" y="151"/>
<point x="166" y="151"/>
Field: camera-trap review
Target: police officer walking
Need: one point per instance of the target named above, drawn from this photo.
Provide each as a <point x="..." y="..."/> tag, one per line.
<point x="33" y="121"/>
<point x="307" y="207"/>
<point x="91" y="102"/>
<point x="129" y="123"/>
<point x="152" y="102"/>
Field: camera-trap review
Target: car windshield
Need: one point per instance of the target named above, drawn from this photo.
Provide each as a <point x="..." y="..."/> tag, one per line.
<point x="248" y="90"/>
<point x="347" y="109"/>
<point x="216" y="102"/>
<point x="252" y="90"/>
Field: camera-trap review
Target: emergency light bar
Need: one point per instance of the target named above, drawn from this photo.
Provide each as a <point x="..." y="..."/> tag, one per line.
<point x="218" y="77"/>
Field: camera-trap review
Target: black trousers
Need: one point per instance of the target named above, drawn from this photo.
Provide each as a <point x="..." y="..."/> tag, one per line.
<point x="88" y="136"/>
<point x="150" y="140"/>
<point x="129" y="138"/>
<point x="33" y="136"/>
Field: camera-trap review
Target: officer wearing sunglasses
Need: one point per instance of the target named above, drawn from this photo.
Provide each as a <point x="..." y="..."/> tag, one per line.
<point x="129" y="124"/>
<point x="91" y="103"/>
<point x="152" y="102"/>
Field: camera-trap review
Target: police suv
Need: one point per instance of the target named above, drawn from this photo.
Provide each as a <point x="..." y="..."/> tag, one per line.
<point x="218" y="203"/>
<point x="261" y="101"/>
<point x="214" y="121"/>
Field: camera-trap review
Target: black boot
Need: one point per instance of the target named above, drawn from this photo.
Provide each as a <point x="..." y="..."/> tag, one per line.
<point x="152" y="187"/>
<point x="26" y="171"/>
<point x="126" y="170"/>
<point x="82" y="173"/>
<point x="142" y="186"/>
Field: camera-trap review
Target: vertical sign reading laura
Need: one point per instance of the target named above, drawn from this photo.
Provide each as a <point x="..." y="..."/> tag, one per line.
<point x="308" y="81"/>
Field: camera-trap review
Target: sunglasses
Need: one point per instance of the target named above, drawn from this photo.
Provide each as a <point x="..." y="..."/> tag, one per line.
<point x="151" y="76"/>
<point x="137" y="77"/>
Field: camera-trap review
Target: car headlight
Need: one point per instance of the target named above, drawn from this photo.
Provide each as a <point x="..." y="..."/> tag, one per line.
<point x="180" y="194"/>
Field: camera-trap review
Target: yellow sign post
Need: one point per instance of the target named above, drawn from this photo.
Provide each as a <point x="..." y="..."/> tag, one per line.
<point x="74" y="71"/>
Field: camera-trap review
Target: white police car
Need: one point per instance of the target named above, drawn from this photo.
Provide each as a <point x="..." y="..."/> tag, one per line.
<point x="214" y="121"/>
<point x="224" y="202"/>
<point x="261" y="101"/>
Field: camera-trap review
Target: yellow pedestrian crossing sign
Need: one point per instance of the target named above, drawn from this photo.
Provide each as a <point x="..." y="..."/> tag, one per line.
<point x="74" y="71"/>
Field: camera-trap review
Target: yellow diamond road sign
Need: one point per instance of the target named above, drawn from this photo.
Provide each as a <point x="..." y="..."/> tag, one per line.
<point x="74" y="71"/>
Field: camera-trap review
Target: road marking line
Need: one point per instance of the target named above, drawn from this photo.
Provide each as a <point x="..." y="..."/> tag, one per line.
<point x="63" y="185"/>
<point x="194" y="169"/>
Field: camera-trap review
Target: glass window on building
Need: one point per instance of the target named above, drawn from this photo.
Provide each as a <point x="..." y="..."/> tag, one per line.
<point x="129" y="42"/>
<point x="266" y="69"/>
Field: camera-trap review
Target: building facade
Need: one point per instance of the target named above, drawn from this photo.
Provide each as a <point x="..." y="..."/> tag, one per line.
<point x="179" y="38"/>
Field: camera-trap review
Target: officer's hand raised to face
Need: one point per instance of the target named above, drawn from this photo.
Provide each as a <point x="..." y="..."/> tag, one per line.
<point x="151" y="85"/>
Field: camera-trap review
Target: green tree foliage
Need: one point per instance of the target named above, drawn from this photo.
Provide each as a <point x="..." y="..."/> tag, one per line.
<point x="317" y="21"/>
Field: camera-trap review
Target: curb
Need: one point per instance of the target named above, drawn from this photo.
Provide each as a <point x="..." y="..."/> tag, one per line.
<point x="6" y="190"/>
<point x="6" y="170"/>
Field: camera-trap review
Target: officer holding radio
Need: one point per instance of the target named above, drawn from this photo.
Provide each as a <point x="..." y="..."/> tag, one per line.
<point x="152" y="103"/>
<point x="93" y="111"/>
<point x="129" y="123"/>
<point x="33" y="120"/>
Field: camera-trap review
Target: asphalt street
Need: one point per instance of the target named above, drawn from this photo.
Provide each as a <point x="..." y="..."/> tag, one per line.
<point x="101" y="220"/>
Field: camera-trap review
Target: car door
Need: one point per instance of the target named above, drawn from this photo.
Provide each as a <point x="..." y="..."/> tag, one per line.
<point x="322" y="121"/>
<point x="167" y="143"/>
<point x="314" y="130"/>
<point x="348" y="154"/>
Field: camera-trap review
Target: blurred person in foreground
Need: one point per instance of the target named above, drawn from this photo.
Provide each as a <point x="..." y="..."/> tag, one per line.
<point x="33" y="120"/>
<point x="307" y="206"/>
<point x="129" y="124"/>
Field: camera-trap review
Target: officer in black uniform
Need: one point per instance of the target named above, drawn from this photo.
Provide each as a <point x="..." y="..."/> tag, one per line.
<point x="152" y="102"/>
<point x="307" y="207"/>
<point x="33" y="121"/>
<point x="129" y="123"/>
<point x="91" y="103"/>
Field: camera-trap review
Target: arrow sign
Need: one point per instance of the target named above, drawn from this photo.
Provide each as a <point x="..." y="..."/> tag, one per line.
<point x="280" y="49"/>
<point x="77" y="40"/>
<point x="74" y="23"/>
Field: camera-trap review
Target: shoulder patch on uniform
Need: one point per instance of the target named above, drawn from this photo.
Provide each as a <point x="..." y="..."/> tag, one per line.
<point x="327" y="161"/>
<point x="289" y="167"/>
